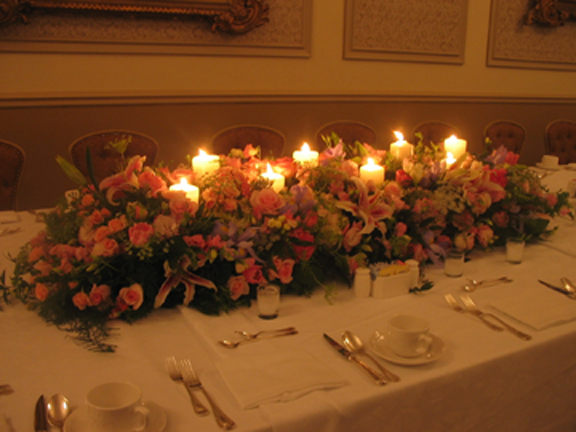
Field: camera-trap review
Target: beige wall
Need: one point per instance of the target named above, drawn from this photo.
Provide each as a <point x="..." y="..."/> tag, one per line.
<point x="324" y="73"/>
<point x="48" y="100"/>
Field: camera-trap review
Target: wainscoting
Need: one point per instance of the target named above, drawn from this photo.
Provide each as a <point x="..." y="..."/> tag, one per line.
<point x="46" y="126"/>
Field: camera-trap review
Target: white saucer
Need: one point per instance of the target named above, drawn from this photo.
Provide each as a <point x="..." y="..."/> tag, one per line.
<point x="77" y="422"/>
<point x="380" y="346"/>
<point x="550" y="168"/>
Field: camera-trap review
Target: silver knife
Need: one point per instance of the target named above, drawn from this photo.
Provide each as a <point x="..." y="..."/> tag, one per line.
<point x="378" y="378"/>
<point x="560" y="290"/>
<point x="40" y="420"/>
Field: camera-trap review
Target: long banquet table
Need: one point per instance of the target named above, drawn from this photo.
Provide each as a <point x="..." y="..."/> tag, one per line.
<point x="485" y="381"/>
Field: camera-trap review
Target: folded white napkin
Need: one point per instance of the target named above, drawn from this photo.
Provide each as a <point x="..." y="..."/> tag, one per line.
<point x="538" y="307"/>
<point x="8" y="216"/>
<point x="280" y="377"/>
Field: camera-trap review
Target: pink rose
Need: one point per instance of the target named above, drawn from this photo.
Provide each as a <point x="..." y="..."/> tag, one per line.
<point x="265" y="202"/>
<point x="106" y="248"/>
<point x="484" y="234"/>
<point x="99" y="294"/>
<point x="283" y="269"/>
<point x="101" y="233"/>
<point x="253" y="274"/>
<point x="117" y="224"/>
<point x="196" y="240"/>
<point x="41" y="291"/>
<point x="132" y="296"/>
<point x="81" y="300"/>
<point x="87" y="200"/>
<point x="140" y="233"/>
<point x="238" y="287"/>
<point x="501" y="219"/>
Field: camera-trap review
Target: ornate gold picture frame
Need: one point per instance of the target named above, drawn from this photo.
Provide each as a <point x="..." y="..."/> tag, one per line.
<point x="229" y="16"/>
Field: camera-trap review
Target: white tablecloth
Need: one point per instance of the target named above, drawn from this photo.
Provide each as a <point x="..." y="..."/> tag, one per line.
<point x="485" y="381"/>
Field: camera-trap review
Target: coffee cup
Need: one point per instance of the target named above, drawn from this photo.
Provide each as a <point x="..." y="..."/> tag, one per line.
<point x="116" y="407"/>
<point x="550" y="161"/>
<point x="408" y="336"/>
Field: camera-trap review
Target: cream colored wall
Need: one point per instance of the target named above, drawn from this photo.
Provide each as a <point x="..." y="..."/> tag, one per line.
<point x="325" y="72"/>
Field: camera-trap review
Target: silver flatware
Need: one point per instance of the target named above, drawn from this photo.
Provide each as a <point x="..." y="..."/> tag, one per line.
<point x="40" y="419"/>
<point x="454" y="305"/>
<point x="191" y="380"/>
<point x="10" y="230"/>
<point x="470" y="287"/>
<point x="561" y="290"/>
<point x="58" y="410"/>
<point x="471" y="306"/>
<point x="378" y="378"/>
<point x="568" y="286"/>
<point x="248" y="336"/>
<point x="176" y="376"/>
<point x="355" y="345"/>
<point x="233" y="344"/>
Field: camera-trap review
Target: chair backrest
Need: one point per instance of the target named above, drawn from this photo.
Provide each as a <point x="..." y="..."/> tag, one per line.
<point x="349" y="131"/>
<point x="105" y="160"/>
<point x="505" y="133"/>
<point x="434" y="132"/>
<point x="561" y="140"/>
<point x="270" y="141"/>
<point x="12" y="158"/>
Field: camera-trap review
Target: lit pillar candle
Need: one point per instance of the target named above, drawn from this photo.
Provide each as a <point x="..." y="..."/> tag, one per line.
<point x="449" y="159"/>
<point x="373" y="172"/>
<point x="306" y="156"/>
<point x="277" y="180"/>
<point x="204" y="163"/>
<point x="192" y="192"/>
<point x="455" y="146"/>
<point x="401" y="149"/>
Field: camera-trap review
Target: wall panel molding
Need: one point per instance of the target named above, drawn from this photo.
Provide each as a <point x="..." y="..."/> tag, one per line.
<point x="512" y="43"/>
<point x="144" y="99"/>
<point x="286" y="34"/>
<point x="406" y="30"/>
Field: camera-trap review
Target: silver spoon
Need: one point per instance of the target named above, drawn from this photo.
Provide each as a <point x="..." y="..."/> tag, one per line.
<point x="355" y="345"/>
<point x="58" y="410"/>
<point x="485" y="282"/>
<point x="568" y="286"/>
<point x="231" y="344"/>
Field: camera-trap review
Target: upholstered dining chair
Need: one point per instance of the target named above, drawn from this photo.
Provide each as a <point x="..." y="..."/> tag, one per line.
<point x="505" y="133"/>
<point x="12" y="159"/>
<point x="105" y="160"/>
<point x="434" y="132"/>
<point x="349" y="131"/>
<point x="270" y="141"/>
<point x="561" y="140"/>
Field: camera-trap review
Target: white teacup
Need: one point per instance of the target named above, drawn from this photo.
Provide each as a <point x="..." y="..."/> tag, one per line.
<point x="116" y="407"/>
<point x="408" y="336"/>
<point x="550" y="161"/>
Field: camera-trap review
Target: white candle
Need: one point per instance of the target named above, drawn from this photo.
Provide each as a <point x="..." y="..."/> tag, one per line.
<point x="305" y="156"/>
<point x="204" y="163"/>
<point x="277" y="180"/>
<point x="401" y="149"/>
<point x="192" y="192"/>
<point x="373" y="172"/>
<point x="455" y="146"/>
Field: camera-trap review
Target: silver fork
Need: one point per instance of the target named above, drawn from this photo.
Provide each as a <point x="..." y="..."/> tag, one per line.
<point x="176" y="375"/>
<point x="472" y="308"/>
<point x="246" y="335"/>
<point x="191" y="380"/>
<point x="454" y="305"/>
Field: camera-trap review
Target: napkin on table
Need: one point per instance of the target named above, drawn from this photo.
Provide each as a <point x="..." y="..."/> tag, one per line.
<point x="279" y="377"/>
<point x="537" y="307"/>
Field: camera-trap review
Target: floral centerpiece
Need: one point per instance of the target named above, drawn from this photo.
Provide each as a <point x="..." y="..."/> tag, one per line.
<point x="131" y="244"/>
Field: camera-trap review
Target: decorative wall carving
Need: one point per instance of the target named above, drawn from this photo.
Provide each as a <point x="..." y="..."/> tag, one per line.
<point x="551" y="12"/>
<point x="287" y="32"/>
<point x="514" y="43"/>
<point x="406" y="30"/>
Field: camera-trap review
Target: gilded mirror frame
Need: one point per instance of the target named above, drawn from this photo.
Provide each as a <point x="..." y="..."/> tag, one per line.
<point x="229" y="16"/>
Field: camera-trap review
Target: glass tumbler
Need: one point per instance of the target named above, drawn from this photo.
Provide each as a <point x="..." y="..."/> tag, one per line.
<point x="268" y="299"/>
<point x="514" y="250"/>
<point x="454" y="264"/>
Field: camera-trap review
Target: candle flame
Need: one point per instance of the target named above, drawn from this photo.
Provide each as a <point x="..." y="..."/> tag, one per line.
<point x="450" y="158"/>
<point x="305" y="147"/>
<point x="370" y="161"/>
<point x="269" y="169"/>
<point x="452" y="138"/>
<point x="183" y="181"/>
<point x="202" y="153"/>
<point x="399" y="135"/>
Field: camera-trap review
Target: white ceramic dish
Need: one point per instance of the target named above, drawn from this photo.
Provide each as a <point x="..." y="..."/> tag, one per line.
<point x="379" y="345"/>
<point x="549" y="168"/>
<point x="77" y="422"/>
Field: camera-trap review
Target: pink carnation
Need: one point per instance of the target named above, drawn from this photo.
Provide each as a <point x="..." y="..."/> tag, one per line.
<point x="140" y="233"/>
<point x="81" y="300"/>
